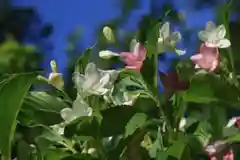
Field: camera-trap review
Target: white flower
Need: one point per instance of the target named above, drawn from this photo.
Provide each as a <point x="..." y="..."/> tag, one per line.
<point x="214" y="36"/>
<point x="95" y="81"/>
<point x="167" y="41"/>
<point x="55" y="78"/>
<point x="79" y="109"/>
<point x="58" y="128"/>
<point x="106" y="54"/>
<point x="182" y="124"/>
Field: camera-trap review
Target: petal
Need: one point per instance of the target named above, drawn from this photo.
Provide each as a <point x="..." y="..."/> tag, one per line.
<point x="224" y="43"/>
<point x="140" y="52"/>
<point x="81" y="108"/>
<point x="128" y="57"/>
<point x="204" y="49"/>
<point x="91" y="69"/>
<point x="214" y="65"/>
<point x="78" y="80"/>
<point x="231" y="122"/>
<point x="106" y="54"/>
<point x="56" y="80"/>
<point x="221" y="32"/>
<point x="180" y="52"/>
<point x="196" y="57"/>
<point x="210" y="26"/>
<point x="99" y="87"/>
<point x="164" y="31"/>
<point x="176" y="37"/>
<point x="133" y="45"/>
<point x="66" y="114"/>
<point x="197" y="66"/>
<point x="211" y="45"/>
<point x="203" y="36"/>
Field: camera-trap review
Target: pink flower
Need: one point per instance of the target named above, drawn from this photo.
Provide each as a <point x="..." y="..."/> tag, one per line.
<point x="219" y="150"/>
<point x="134" y="59"/>
<point x="207" y="59"/>
<point x="226" y="156"/>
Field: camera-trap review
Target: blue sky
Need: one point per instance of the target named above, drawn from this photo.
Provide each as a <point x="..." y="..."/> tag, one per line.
<point x="90" y="14"/>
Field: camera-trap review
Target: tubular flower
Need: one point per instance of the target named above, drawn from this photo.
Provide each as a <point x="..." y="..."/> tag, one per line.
<point x="207" y="58"/>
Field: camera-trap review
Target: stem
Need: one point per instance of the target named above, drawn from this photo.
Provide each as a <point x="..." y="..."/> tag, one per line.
<point x="156" y="94"/>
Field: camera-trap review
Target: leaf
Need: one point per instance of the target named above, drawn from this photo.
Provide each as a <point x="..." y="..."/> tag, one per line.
<point x="83" y="60"/>
<point x="147" y="72"/>
<point x="200" y="91"/>
<point x="134" y="123"/>
<point x="49" y="137"/>
<point x="235" y="138"/>
<point x="161" y="155"/>
<point x="113" y="123"/>
<point x="177" y="149"/>
<point x="41" y="108"/>
<point x="24" y="151"/>
<point x="16" y="87"/>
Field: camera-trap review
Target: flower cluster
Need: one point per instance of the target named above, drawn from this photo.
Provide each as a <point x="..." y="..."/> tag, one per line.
<point x="213" y="37"/>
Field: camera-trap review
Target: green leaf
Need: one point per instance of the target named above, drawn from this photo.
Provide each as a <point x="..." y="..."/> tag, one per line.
<point x="49" y="137"/>
<point x="235" y="138"/>
<point x="24" y="151"/>
<point x="113" y="123"/>
<point x="134" y="123"/>
<point x="161" y="155"/>
<point x="200" y="91"/>
<point x="11" y="98"/>
<point x="177" y="149"/>
<point x="41" y="108"/>
<point x="83" y="60"/>
<point x="147" y="72"/>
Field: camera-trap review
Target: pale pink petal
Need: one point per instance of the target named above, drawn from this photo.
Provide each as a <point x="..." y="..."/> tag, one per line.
<point x="134" y="60"/>
<point x="228" y="156"/>
<point x="207" y="59"/>
<point x="140" y="52"/>
<point x="214" y="65"/>
<point x="196" y="57"/>
<point x="197" y="66"/>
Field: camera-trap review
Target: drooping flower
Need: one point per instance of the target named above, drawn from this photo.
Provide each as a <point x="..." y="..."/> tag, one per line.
<point x="214" y="36"/>
<point x="79" y="109"/>
<point x="94" y="81"/>
<point x="134" y="59"/>
<point x="55" y="78"/>
<point x="207" y="58"/>
<point x="219" y="150"/>
<point x="168" y="40"/>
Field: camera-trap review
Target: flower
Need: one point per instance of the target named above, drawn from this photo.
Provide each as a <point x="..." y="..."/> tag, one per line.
<point x="106" y="54"/>
<point x="219" y="149"/>
<point x="207" y="59"/>
<point x="55" y="78"/>
<point x="95" y="81"/>
<point x="108" y="34"/>
<point x="79" y="109"/>
<point x="233" y="121"/>
<point x="167" y="41"/>
<point x="213" y="36"/>
<point x="134" y="59"/>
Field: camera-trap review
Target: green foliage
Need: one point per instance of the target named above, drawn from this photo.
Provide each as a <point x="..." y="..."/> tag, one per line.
<point x="20" y="84"/>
